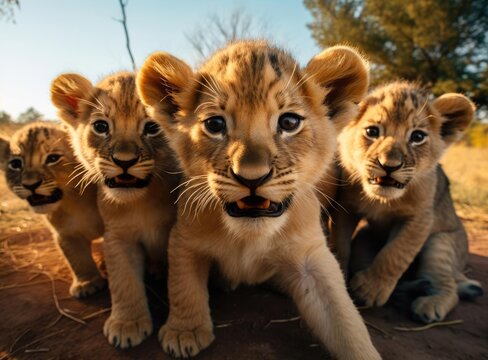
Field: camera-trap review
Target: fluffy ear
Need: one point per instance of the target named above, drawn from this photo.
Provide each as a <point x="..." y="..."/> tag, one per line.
<point x="161" y="79"/>
<point x="457" y="112"/>
<point x="67" y="90"/>
<point x="344" y="74"/>
<point x="4" y="151"/>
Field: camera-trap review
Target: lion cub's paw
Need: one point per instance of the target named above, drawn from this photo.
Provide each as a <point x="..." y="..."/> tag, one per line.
<point x="127" y="333"/>
<point x="428" y="309"/>
<point x="185" y="343"/>
<point x="373" y="290"/>
<point x="83" y="288"/>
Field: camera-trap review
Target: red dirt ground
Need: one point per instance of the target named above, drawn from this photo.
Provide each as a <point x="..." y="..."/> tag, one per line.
<point x="32" y="328"/>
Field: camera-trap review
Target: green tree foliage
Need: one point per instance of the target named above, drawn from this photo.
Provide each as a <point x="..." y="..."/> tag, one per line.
<point x="5" y="117"/>
<point x="441" y="43"/>
<point x="29" y="115"/>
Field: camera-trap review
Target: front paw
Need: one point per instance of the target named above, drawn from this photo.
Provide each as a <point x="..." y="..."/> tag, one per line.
<point x="185" y="343"/>
<point x="127" y="333"/>
<point x="83" y="288"/>
<point x="432" y="308"/>
<point x="371" y="289"/>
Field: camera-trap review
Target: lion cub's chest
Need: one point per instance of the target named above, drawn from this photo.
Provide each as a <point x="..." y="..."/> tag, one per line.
<point x="242" y="261"/>
<point x="147" y="222"/>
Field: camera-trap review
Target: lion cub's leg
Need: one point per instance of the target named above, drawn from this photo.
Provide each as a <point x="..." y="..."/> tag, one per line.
<point x="189" y="328"/>
<point x="438" y="264"/>
<point x="130" y="321"/>
<point x="316" y="284"/>
<point x="86" y="277"/>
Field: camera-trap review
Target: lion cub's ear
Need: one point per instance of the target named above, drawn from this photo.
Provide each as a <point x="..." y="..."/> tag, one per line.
<point x="160" y="82"/>
<point x="4" y="152"/>
<point x="67" y="92"/>
<point x="344" y="74"/>
<point x="457" y="112"/>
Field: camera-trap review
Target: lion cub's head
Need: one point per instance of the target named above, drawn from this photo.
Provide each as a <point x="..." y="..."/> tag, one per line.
<point x="251" y="128"/>
<point x="399" y="135"/>
<point x="37" y="161"/>
<point x="120" y="146"/>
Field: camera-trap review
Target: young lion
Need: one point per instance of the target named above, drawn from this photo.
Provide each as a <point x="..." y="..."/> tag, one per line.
<point x="253" y="132"/>
<point x="390" y="154"/>
<point x="125" y="152"/>
<point x="38" y="161"/>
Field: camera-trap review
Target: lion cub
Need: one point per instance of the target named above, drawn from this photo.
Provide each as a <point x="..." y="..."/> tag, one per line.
<point x="38" y="161"/>
<point x="390" y="154"/>
<point x="253" y="132"/>
<point x="125" y="152"/>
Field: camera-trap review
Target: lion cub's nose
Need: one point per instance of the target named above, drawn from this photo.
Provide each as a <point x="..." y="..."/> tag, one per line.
<point x="33" y="186"/>
<point x="390" y="166"/>
<point x="252" y="183"/>
<point x="125" y="164"/>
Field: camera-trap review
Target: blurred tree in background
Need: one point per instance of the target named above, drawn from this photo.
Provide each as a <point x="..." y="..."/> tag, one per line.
<point x="29" y="115"/>
<point x="441" y="43"/>
<point x="5" y="117"/>
<point x="217" y="31"/>
<point x="7" y="9"/>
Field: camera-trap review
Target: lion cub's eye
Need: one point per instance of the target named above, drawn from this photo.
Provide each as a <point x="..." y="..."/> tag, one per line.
<point x="215" y="125"/>
<point x="15" y="164"/>
<point x="151" y="128"/>
<point x="372" y="132"/>
<point x="101" y="127"/>
<point x="289" y="122"/>
<point x="52" y="159"/>
<point x="418" y="137"/>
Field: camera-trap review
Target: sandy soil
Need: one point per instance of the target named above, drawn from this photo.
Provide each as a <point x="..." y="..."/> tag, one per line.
<point x="34" y="285"/>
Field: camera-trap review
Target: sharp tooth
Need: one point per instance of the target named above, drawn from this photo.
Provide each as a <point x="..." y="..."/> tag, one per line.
<point x="265" y="204"/>
<point x="241" y="205"/>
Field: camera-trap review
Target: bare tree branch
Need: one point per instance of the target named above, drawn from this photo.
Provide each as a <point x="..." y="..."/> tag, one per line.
<point x="217" y="31"/>
<point x="123" y="21"/>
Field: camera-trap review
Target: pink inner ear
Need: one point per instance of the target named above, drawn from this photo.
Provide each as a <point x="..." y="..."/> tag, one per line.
<point x="72" y="101"/>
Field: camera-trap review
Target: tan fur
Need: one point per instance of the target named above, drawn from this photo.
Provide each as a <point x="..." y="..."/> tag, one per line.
<point x="74" y="219"/>
<point x="250" y="85"/>
<point x="137" y="220"/>
<point x="419" y="215"/>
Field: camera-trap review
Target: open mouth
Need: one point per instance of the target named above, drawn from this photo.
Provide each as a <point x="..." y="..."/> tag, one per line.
<point x="127" y="181"/>
<point x="386" y="181"/>
<point x="38" y="200"/>
<point x="256" y="206"/>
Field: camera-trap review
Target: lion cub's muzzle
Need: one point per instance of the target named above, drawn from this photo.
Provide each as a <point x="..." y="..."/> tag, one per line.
<point x="388" y="180"/>
<point x="126" y="180"/>
<point x="254" y="205"/>
<point x="38" y="193"/>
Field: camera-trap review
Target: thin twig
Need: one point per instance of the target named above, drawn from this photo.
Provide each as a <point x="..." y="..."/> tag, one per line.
<point x="124" y="25"/>
<point x="96" y="313"/>
<point x="31" y="351"/>
<point x="17" y="339"/>
<point x="429" y="326"/>
<point x="280" y="321"/>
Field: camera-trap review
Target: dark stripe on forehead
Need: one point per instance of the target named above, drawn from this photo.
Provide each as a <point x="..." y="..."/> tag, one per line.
<point x="273" y="60"/>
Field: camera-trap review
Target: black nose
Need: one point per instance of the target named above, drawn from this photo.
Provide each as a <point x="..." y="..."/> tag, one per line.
<point x="390" y="169"/>
<point x="252" y="183"/>
<point x="32" y="187"/>
<point x="125" y="164"/>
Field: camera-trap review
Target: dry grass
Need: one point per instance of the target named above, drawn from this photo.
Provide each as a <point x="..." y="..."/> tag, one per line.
<point x="467" y="168"/>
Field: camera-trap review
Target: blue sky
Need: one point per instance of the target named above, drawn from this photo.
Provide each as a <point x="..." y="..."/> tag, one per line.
<point x="52" y="36"/>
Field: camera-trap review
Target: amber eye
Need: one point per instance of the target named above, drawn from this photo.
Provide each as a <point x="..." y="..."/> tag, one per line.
<point x="417" y="137"/>
<point x="52" y="158"/>
<point x="372" y="132"/>
<point x="101" y="127"/>
<point x="151" y="128"/>
<point x="289" y="122"/>
<point x="15" y="164"/>
<point x="215" y="125"/>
